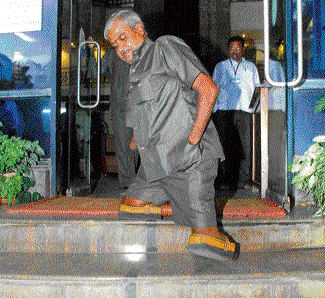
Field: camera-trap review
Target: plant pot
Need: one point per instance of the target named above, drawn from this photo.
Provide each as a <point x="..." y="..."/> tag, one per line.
<point x="5" y="202"/>
<point x="8" y="175"/>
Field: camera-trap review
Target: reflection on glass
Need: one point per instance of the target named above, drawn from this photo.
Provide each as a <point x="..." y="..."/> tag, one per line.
<point x="313" y="12"/>
<point x="6" y="73"/>
<point x="314" y="36"/>
<point x="28" y="118"/>
<point x="25" y="37"/>
<point x="28" y="58"/>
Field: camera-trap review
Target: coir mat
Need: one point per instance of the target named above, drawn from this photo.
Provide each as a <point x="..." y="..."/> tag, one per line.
<point x="108" y="207"/>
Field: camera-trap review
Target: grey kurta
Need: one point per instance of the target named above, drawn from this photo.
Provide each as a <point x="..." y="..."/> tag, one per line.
<point x="161" y="108"/>
<point x="118" y="71"/>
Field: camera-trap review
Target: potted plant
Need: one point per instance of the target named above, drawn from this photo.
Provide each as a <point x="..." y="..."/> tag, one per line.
<point x="309" y="169"/>
<point x="16" y="157"/>
<point x="309" y="173"/>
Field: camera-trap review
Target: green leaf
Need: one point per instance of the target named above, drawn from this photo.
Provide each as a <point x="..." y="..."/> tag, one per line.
<point x="320" y="105"/>
<point x="34" y="156"/>
<point x="28" y="146"/>
<point x="39" y="150"/>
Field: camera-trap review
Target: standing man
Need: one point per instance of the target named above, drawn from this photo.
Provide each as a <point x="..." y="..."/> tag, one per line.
<point x="118" y="72"/>
<point x="237" y="80"/>
<point x="169" y="107"/>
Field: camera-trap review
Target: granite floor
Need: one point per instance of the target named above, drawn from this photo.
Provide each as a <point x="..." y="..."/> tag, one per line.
<point x="89" y="258"/>
<point x="296" y="274"/>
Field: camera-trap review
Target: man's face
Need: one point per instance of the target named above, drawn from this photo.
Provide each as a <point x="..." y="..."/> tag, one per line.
<point x="236" y="50"/>
<point x="125" y="39"/>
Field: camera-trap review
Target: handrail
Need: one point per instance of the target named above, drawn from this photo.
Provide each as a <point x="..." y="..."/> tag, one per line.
<point x="267" y="47"/>
<point x="98" y="75"/>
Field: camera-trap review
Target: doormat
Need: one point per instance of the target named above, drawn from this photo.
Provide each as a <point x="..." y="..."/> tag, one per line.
<point x="108" y="207"/>
<point x="253" y="208"/>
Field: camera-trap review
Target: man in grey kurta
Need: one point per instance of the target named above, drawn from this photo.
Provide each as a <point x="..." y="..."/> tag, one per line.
<point x="161" y="109"/>
<point x="118" y="71"/>
<point x="169" y="107"/>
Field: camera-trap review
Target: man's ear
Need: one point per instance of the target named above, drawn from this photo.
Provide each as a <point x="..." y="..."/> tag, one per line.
<point x="139" y="28"/>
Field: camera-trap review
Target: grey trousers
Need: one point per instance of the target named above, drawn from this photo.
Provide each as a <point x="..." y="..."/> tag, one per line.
<point x="190" y="192"/>
<point x="127" y="159"/>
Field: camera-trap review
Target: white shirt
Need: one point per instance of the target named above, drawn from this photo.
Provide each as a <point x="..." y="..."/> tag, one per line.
<point x="276" y="95"/>
<point x="237" y="84"/>
<point x="276" y="71"/>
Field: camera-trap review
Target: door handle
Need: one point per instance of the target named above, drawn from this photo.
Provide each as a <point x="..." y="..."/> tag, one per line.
<point x="267" y="47"/>
<point x="98" y="75"/>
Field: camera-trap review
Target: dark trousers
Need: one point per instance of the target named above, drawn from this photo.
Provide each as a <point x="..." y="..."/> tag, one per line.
<point x="235" y="133"/>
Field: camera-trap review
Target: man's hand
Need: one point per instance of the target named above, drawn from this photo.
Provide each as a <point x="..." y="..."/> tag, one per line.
<point x="91" y="45"/>
<point x="208" y="93"/>
<point x="194" y="138"/>
<point x="133" y="144"/>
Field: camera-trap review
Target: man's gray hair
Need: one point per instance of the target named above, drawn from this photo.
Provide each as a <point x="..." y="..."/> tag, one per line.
<point x="127" y="16"/>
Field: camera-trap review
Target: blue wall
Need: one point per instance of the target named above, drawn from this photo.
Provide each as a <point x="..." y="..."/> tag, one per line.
<point x="307" y="122"/>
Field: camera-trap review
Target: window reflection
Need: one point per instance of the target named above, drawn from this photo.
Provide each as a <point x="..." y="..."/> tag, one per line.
<point x="25" y="60"/>
<point x="28" y="118"/>
<point x="313" y="16"/>
<point x="313" y="39"/>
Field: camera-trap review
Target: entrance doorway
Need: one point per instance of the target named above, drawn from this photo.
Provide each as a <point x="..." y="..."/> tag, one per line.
<point x="85" y="119"/>
<point x="85" y="134"/>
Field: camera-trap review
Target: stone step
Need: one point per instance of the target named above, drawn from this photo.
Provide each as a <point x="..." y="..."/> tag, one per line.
<point x="289" y="273"/>
<point x="89" y="236"/>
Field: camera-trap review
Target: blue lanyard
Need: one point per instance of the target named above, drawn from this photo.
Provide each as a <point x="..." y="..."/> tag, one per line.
<point x="235" y="70"/>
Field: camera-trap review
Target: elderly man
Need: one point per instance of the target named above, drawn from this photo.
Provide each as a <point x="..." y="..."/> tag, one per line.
<point x="169" y="105"/>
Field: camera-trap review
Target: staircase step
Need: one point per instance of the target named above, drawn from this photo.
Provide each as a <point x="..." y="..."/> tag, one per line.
<point x="289" y="273"/>
<point x="88" y="236"/>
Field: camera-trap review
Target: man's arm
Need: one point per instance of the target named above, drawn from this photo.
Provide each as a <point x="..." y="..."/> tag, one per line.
<point x="133" y="144"/>
<point x="105" y="62"/>
<point x="208" y="93"/>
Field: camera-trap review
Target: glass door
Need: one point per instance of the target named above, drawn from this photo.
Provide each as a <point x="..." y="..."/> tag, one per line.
<point x="304" y="122"/>
<point x="273" y="107"/>
<point x="294" y="67"/>
<point x="79" y="147"/>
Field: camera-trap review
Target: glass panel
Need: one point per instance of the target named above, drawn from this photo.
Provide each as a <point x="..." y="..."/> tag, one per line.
<point x="277" y="104"/>
<point x="314" y="38"/>
<point x="305" y="131"/>
<point x="283" y="37"/>
<point x="26" y="57"/>
<point x="28" y="118"/>
<point x="276" y="110"/>
<point x="72" y="157"/>
<point x="277" y="39"/>
<point x="76" y="123"/>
